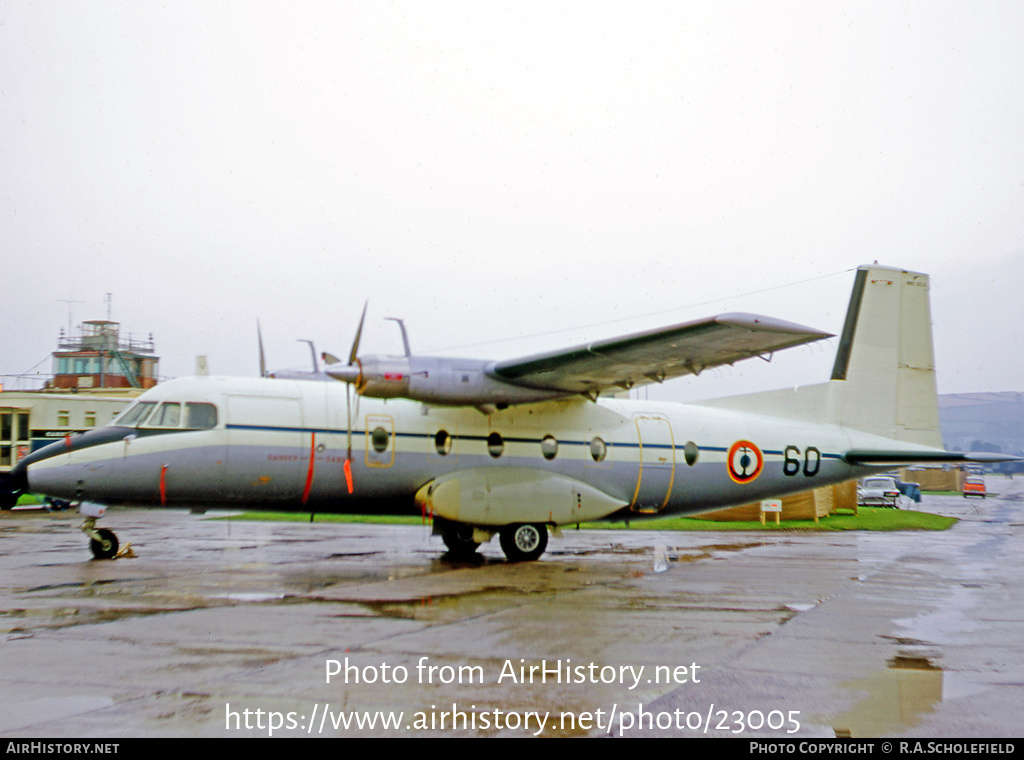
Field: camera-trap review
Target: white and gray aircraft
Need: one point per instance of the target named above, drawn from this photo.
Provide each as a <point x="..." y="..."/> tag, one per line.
<point x="515" y="448"/>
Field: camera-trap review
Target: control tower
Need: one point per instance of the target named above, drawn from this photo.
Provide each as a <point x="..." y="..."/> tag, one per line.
<point x="99" y="358"/>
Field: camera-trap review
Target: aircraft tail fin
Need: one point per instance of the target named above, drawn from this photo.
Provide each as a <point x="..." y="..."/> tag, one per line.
<point x="883" y="379"/>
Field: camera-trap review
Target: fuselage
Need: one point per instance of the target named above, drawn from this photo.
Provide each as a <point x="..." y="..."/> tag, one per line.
<point x="284" y="444"/>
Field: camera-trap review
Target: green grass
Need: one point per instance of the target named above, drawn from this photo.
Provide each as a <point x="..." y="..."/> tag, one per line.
<point x="324" y="517"/>
<point x="867" y="518"/>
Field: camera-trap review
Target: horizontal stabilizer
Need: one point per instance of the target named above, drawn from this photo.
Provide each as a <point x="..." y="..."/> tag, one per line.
<point x="877" y="457"/>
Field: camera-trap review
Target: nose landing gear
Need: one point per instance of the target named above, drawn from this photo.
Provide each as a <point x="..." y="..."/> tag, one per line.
<point x="103" y="542"/>
<point x="105" y="545"/>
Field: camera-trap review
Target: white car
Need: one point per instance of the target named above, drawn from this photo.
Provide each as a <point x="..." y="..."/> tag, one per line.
<point x="878" y="492"/>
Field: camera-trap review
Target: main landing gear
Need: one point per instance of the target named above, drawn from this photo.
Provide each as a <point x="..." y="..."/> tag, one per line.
<point x="521" y="542"/>
<point x="524" y="542"/>
<point x="458" y="537"/>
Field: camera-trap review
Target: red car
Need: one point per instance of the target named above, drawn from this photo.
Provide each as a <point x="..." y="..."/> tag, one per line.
<point x="974" y="486"/>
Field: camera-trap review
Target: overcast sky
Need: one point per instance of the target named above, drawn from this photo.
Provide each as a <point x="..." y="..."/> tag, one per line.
<point x="489" y="171"/>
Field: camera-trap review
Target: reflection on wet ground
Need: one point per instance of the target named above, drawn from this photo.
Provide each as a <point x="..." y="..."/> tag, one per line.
<point x="894" y="698"/>
<point x="782" y="634"/>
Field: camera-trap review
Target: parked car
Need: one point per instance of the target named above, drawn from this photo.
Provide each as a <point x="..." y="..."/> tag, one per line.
<point x="911" y="490"/>
<point x="974" y="486"/>
<point x="878" y="492"/>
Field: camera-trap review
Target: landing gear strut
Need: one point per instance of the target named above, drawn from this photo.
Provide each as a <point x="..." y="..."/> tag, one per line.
<point x="524" y="542"/>
<point x="103" y="542"/>
<point x="458" y="537"/>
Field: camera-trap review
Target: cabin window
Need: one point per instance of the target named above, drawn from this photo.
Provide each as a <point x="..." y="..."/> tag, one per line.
<point x="690" y="453"/>
<point x="495" y="445"/>
<point x="200" y="416"/>
<point x="379" y="438"/>
<point x="443" y="442"/>
<point x="90" y="419"/>
<point x="549" y="447"/>
<point x="168" y="415"/>
<point x="63" y="418"/>
<point x="598" y="449"/>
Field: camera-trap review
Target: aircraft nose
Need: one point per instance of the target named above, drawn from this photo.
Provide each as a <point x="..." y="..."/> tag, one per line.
<point x="52" y="470"/>
<point x="44" y="471"/>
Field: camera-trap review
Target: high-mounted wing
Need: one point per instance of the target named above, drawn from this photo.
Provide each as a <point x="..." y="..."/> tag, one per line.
<point x="656" y="355"/>
<point x="622" y="362"/>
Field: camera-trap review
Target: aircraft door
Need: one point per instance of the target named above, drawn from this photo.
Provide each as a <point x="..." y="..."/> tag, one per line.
<point x="657" y="464"/>
<point x="268" y="448"/>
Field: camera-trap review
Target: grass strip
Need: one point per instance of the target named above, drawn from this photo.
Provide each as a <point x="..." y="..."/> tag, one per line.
<point x="867" y="518"/>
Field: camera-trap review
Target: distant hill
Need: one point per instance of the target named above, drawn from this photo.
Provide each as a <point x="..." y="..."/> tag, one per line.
<point x="983" y="422"/>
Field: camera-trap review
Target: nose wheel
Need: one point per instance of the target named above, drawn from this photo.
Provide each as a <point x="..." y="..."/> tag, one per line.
<point x="105" y="546"/>
<point x="103" y="542"/>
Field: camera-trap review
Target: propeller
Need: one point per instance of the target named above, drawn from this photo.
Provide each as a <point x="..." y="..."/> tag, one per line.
<point x="312" y="351"/>
<point x="263" y="361"/>
<point x="351" y="375"/>
<point x="348" y="373"/>
<point x="359" y="333"/>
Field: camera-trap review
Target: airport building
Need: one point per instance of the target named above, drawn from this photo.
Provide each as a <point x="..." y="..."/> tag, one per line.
<point x="95" y="375"/>
<point x="100" y="358"/>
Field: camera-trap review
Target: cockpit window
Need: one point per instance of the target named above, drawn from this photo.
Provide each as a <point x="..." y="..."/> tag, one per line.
<point x="135" y="414"/>
<point x="200" y="416"/>
<point x="197" y="416"/>
<point x="168" y="415"/>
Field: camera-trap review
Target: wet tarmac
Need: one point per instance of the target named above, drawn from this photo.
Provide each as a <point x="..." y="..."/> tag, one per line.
<point x="224" y="628"/>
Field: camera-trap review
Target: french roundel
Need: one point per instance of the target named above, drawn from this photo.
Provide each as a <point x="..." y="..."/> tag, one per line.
<point x="745" y="462"/>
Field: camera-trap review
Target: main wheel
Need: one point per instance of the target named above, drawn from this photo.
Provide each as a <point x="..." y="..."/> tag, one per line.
<point x="458" y="537"/>
<point x="524" y="542"/>
<point x="106" y="547"/>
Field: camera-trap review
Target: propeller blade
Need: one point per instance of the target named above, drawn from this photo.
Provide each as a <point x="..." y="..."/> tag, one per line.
<point x="405" y="337"/>
<point x="359" y="333"/>
<point x="348" y="414"/>
<point x="263" y="361"/>
<point x="312" y="351"/>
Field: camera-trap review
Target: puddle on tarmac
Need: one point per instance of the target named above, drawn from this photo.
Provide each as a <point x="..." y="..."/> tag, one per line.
<point x="443" y="607"/>
<point x="895" y="699"/>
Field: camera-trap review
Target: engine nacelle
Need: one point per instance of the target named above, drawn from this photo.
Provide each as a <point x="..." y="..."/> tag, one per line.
<point x="384" y="377"/>
<point x="435" y="380"/>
